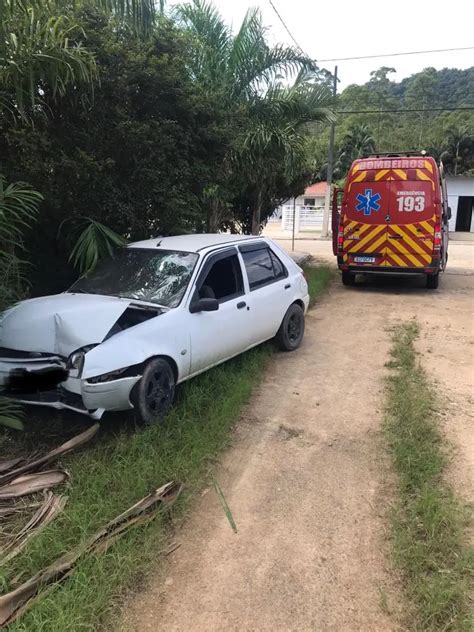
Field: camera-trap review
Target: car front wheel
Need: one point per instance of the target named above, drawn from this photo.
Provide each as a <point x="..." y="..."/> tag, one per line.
<point x="291" y="330"/>
<point x="154" y="393"/>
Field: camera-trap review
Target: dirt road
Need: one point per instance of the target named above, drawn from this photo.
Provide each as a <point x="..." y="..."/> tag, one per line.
<point x="306" y="478"/>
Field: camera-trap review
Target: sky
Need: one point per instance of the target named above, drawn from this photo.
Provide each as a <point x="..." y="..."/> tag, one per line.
<point x="344" y="28"/>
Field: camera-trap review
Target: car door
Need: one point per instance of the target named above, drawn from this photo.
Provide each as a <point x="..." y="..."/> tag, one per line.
<point x="269" y="289"/>
<point x="221" y="334"/>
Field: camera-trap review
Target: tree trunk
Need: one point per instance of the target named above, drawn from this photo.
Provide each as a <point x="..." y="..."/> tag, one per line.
<point x="256" y="214"/>
<point x="212" y="218"/>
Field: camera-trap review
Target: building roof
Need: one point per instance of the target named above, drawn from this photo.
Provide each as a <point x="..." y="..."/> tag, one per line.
<point x="192" y="243"/>
<point x="319" y="188"/>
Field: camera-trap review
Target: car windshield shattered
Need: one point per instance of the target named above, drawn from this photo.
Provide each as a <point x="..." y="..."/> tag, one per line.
<point x="141" y="274"/>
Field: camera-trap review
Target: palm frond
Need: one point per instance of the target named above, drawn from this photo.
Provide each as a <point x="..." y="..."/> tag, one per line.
<point x="273" y="63"/>
<point x="11" y="414"/>
<point x="94" y="242"/>
<point x="212" y="39"/>
<point x="141" y="15"/>
<point x="40" y="51"/>
<point x="18" y="209"/>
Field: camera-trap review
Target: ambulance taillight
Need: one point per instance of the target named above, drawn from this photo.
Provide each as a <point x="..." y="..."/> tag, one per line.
<point x="340" y="238"/>
<point x="437" y="237"/>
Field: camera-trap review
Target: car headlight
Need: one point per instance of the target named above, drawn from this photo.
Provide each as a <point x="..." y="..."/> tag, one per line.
<point x="75" y="362"/>
<point x="107" y="377"/>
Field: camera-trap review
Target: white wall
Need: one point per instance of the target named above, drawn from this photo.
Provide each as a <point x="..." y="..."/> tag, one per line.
<point x="318" y="200"/>
<point x="459" y="186"/>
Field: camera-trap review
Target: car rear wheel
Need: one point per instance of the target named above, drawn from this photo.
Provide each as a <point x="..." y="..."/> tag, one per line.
<point x="348" y="278"/>
<point x="154" y="393"/>
<point x="432" y="281"/>
<point x="291" y="330"/>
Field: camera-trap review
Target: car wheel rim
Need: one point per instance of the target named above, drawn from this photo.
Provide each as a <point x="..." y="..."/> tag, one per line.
<point x="158" y="392"/>
<point x="294" y="327"/>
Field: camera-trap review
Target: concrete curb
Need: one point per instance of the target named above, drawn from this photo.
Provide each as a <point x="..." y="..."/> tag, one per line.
<point x="301" y="258"/>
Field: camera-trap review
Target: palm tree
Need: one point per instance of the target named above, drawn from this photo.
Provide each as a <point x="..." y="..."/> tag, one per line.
<point x="18" y="208"/>
<point x="243" y="69"/>
<point x="241" y="65"/>
<point x="459" y="146"/>
<point x="40" y="51"/>
<point x="356" y="143"/>
<point x="276" y="136"/>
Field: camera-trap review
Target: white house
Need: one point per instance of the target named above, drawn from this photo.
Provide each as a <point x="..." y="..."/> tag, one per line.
<point x="461" y="201"/>
<point x="307" y="208"/>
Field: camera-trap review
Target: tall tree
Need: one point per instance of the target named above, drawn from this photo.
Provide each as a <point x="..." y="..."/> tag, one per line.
<point x="458" y="154"/>
<point x="245" y="72"/>
<point x="356" y="143"/>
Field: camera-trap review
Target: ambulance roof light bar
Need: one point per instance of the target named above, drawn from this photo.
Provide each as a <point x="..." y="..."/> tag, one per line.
<point x="395" y="154"/>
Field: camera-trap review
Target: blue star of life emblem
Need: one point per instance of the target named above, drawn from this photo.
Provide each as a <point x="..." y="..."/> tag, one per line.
<point x="368" y="202"/>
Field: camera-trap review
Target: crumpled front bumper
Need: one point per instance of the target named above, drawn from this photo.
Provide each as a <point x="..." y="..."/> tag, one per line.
<point x="74" y="394"/>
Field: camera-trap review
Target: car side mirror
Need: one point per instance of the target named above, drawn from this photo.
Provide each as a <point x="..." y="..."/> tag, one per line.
<point x="449" y="212"/>
<point x="204" y="305"/>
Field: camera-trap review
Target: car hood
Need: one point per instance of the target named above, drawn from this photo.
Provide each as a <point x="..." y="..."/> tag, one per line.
<point x="60" y="324"/>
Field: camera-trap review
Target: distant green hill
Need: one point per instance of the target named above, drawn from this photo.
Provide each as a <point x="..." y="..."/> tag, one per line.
<point x="448" y="135"/>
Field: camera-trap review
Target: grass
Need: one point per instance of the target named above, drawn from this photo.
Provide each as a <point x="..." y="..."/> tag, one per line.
<point x="318" y="279"/>
<point x="119" y="467"/>
<point x="428" y="522"/>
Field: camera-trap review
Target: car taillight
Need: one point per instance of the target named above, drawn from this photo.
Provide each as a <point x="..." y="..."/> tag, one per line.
<point x="437" y="237"/>
<point x="340" y="237"/>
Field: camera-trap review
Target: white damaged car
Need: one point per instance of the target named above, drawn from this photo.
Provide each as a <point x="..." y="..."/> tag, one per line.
<point x="157" y="313"/>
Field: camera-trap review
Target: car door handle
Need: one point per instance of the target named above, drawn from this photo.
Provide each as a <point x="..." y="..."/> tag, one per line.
<point x="395" y="237"/>
<point x="241" y="305"/>
<point x="287" y="286"/>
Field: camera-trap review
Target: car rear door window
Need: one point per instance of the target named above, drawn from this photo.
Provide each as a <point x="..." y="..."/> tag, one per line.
<point x="262" y="267"/>
<point x="278" y="267"/>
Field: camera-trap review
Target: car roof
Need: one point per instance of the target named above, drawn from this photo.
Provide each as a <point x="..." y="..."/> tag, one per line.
<point x="192" y="243"/>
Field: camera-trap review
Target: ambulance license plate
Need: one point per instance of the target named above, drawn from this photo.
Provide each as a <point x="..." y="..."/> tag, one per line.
<point x="364" y="259"/>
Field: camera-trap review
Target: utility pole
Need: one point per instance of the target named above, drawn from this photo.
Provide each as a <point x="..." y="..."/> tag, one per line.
<point x="294" y="220"/>
<point x="327" y="203"/>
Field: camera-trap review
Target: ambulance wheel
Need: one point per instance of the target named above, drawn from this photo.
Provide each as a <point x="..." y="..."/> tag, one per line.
<point x="291" y="331"/>
<point x="348" y="278"/>
<point x="432" y="281"/>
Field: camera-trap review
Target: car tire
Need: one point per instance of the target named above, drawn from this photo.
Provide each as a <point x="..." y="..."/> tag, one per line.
<point x="154" y="393"/>
<point x="348" y="278"/>
<point x="432" y="281"/>
<point x="291" y="330"/>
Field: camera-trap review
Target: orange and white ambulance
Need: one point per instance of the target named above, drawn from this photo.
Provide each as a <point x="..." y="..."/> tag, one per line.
<point x="393" y="218"/>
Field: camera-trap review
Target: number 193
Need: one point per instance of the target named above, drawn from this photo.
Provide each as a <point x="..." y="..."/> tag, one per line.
<point x="410" y="203"/>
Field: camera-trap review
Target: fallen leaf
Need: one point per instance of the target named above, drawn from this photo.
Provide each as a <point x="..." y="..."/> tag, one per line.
<point x="14" y="603"/>
<point x="52" y="506"/>
<point x="72" y="444"/>
<point x="31" y="483"/>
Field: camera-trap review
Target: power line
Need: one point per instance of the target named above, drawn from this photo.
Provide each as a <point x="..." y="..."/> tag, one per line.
<point x="404" y="110"/>
<point x="286" y="28"/>
<point x="414" y="52"/>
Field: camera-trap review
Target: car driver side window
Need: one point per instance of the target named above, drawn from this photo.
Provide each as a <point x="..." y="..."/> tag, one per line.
<point x="223" y="281"/>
